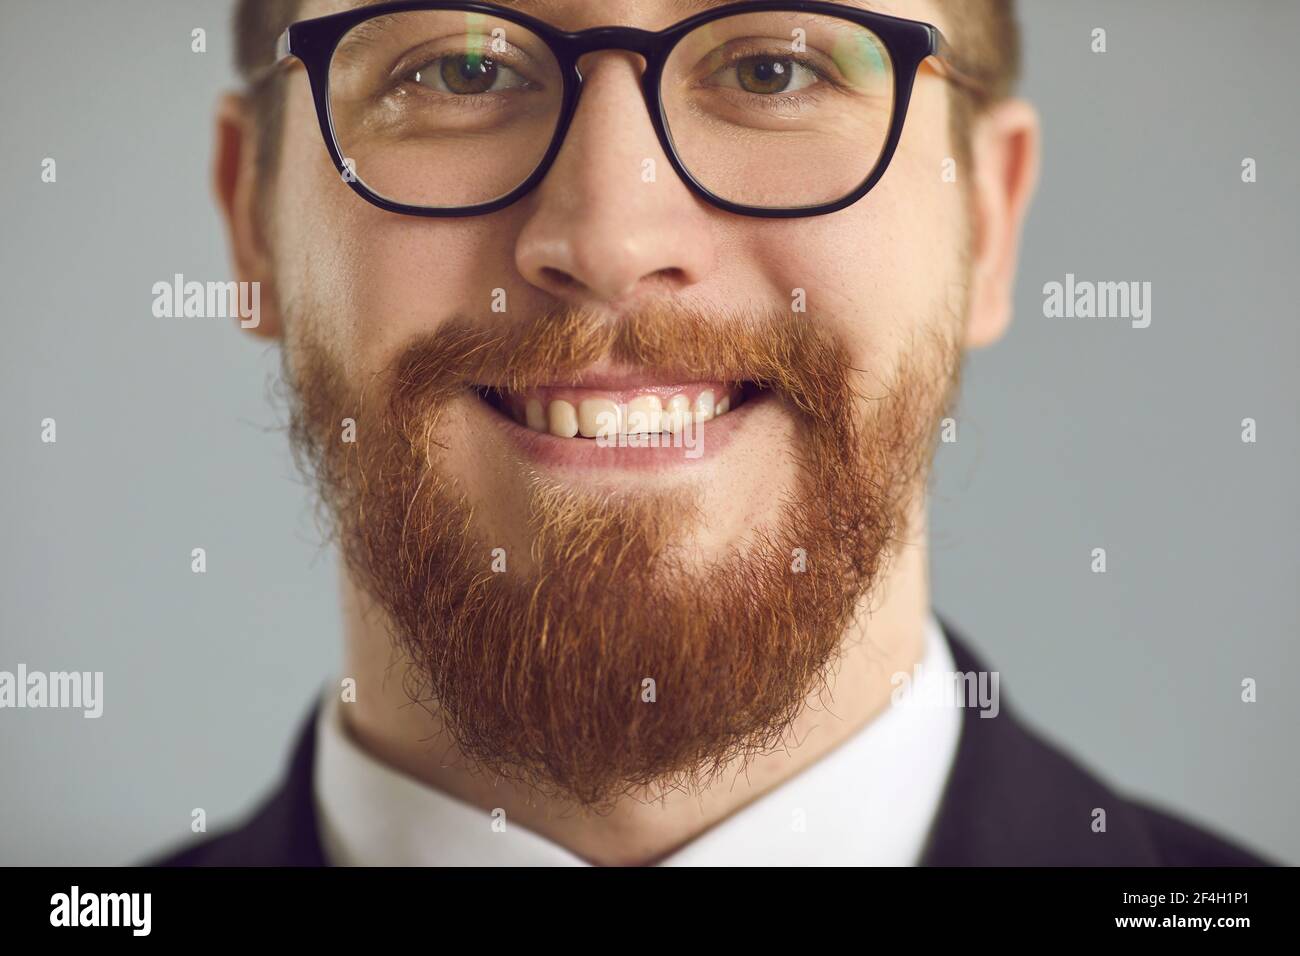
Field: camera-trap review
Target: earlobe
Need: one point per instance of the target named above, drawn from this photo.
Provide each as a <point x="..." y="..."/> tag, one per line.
<point x="1005" y="154"/>
<point x="235" y="183"/>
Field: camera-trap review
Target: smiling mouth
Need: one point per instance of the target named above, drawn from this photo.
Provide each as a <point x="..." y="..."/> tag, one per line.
<point x="580" y="412"/>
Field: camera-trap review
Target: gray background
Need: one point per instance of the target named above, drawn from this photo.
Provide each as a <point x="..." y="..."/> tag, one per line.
<point x="1073" y="434"/>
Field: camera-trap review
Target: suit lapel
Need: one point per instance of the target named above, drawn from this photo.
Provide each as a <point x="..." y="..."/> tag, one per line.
<point x="285" y="831"/>
<point x="1011" y="800"/>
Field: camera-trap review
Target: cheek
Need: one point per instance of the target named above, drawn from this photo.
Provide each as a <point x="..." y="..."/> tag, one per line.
<point x="369" y="280"/>
<point x="890" y="264"/>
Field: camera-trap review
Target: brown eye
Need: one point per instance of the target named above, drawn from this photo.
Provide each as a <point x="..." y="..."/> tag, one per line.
<point x="764" y="74"/>
<point x="466" y="74"/>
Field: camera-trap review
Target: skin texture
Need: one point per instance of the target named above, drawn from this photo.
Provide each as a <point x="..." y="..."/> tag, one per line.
<point x="879" y="276"/>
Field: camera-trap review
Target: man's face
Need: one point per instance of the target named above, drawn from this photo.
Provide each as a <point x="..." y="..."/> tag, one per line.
<point x="618" y="565"/>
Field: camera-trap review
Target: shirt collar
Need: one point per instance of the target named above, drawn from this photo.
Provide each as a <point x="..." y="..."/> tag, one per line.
<point x="870" y="801"/>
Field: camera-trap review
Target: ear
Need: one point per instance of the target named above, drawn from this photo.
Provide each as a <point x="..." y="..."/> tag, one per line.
<point x="1005" y="154"/>
<point x="235" y="181"/>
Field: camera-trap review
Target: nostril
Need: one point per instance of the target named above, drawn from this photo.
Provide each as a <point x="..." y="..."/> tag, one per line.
<point x="617" y="290"/>
<point x="559" y="278"/>
<point x="671" y="276"/>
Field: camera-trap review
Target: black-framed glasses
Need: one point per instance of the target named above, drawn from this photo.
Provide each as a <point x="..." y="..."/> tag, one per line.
<point x="763" y="108"/>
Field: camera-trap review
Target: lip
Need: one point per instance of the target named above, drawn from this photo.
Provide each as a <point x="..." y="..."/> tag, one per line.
<point x="543" y="448"/>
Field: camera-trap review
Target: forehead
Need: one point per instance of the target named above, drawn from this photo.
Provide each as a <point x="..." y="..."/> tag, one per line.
<point x="647" y="14"/>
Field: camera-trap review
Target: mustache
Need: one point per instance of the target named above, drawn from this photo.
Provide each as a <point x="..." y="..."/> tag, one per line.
<point x="770" y="348"/>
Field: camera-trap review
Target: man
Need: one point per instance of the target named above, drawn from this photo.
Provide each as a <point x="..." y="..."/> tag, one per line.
<point x="619" y="357"/>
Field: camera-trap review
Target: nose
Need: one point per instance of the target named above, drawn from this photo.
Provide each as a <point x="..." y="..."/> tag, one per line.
<point x="612" y="221"/>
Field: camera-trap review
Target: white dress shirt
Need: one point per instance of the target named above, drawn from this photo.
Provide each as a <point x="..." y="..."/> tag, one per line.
<point x="869" y="802"/>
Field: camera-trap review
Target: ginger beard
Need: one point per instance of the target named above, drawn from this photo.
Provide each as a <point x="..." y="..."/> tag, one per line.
<point x="542" y="675"/>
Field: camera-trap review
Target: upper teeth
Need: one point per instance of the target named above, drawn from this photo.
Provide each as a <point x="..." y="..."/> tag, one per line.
<point x="600" y="417"/>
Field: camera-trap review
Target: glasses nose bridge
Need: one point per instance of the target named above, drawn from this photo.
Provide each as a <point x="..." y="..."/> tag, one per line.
<point x="630" y="39"/>
<point x="643" y="43"/>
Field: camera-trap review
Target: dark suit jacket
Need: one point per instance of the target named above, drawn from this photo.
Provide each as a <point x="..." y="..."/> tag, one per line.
<point x="1012" y="799"/>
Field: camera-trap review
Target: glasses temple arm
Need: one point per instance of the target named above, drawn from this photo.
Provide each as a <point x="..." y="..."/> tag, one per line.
<point x="945" y="63"/>
<point x="284" y="58"/>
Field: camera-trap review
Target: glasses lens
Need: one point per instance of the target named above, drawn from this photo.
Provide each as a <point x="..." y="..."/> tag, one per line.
<point x="443" y="108"/>
<point x="779" y="109"/>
